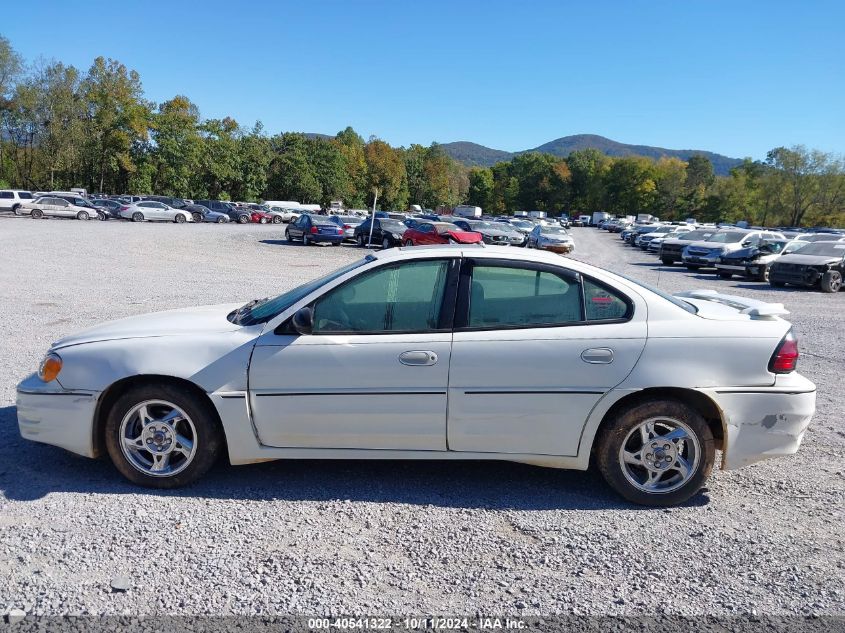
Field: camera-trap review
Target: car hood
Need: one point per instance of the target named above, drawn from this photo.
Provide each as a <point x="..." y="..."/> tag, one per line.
<point x="464" y="237"/>
<point x="744" y="253"/>
<point x="807" y="260"/>
<point x="203" y="319"/>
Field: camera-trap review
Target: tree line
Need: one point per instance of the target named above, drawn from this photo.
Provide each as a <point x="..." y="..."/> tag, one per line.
<point x="62" y="127"/>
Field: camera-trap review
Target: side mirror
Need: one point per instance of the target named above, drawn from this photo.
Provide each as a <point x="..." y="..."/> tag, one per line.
<point x="303" y="321"/>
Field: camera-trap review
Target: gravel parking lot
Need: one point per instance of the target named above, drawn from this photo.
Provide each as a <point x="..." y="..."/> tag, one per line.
<point x="384" y="537"/>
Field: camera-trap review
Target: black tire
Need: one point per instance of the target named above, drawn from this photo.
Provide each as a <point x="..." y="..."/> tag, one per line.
<point x="692" y="266"/>
<point x="277" y="219"/>
<point x="209" y="437"/>
<point x="137" y="217"/>
<point x="776" y="284"/>
<point x="197" y="216"/>
<point x="667" y="261"/>
<point x="408" y="243"/>
<point x="37" y="214"/>
<point x="102" y="216"/>
<point x="725" y="275"/>
<point x="612" y="435"/>
<point x="306" y="241"/>
<point x="359" y="240"/>
<point x="179" y="219"/>
<point x="287" y="236"/>
<point x="15" y="208"/>
<point x="335" y="243"/>
<point x="763" y="274"/>
<point x="385" y="243"/>
<point x="221" y="220"/>
<point x="243" y="219"/>
<point x="82" y="215"/>
<point x="831" y="281"/>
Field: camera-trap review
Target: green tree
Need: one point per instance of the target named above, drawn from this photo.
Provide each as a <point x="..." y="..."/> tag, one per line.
<point x="386" y="175"/>
<point x="176" y="153"/>
<point x="351" y="147"/>
<point x="631" y="187"/>
<point x="481" y="187"/>
<point x="292" y="174"/>
<point x="588" y="168"/>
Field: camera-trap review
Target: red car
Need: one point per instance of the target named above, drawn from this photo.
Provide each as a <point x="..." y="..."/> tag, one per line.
<point x="439" y="233"/>
<point x="259" y="217"/>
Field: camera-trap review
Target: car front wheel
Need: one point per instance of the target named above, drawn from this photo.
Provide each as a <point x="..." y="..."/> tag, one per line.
<point x="162" y="435"/>
<point x="831" y="281"/>
<point x="179" y="219"/>
<point x="408" y="243"/>
<point x="657" y="452"/>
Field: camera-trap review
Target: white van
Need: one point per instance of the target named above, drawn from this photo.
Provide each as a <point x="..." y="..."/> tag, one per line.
<point x="467" y="211"/>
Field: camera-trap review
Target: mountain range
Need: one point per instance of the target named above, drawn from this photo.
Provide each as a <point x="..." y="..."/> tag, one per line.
<point x="478" y="155"/>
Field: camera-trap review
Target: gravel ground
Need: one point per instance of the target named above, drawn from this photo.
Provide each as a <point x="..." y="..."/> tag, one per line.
<point x="383" y="537"/>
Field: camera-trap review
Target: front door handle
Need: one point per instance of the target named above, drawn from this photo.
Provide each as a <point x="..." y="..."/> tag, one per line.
<point x="597" y="355"/>
<point x="417" y="358"/>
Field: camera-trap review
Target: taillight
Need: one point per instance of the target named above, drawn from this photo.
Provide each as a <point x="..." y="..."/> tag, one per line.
<point x="346" y="226"/>
<point x="340" y="231"/>
<point x="313" y="229"/>
<point x="785" y="357"/>
<point x="123" y="208"/>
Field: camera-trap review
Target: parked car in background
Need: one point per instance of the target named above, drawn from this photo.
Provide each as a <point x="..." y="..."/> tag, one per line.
<point x="109" y="207"/>
<point x="523" y="226"/>
<point x="672" y="248"/>
<point x="11" y="199"/>
<point x="53" y="206"/>
<point x="235" y="214"/>
<point x="643" y="239"/>
<point x="348" y="223"/>
<point x="386" y="231"/>
<point x="427" y="233"/>
<point x="281" y="214"/>
<point x="203" y="214"/>
<point x="551" y="238"/>
<point x="818" y="264"/>
<point x="753" y="262"/>
<point x="259" y="216"/>
<point x="175" y="203"/>
<point x="314" y="229"/>
<point x="154" y="211"/>
<point x="492" y="232"/>
<point x="76" y="200"/>
<point x="705" y="254"/>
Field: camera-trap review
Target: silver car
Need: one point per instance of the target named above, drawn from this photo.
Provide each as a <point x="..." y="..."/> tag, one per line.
<point x="57" y="207"/>
<point x="348" y="223"/>
<point x="154" y="211"/>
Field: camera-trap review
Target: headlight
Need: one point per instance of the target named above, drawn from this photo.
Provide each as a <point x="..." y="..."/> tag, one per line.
<point x="396" y="236"/>
<point x="50" y="367"/>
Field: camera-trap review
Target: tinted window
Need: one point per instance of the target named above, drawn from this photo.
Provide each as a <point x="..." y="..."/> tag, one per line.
<point x="602" y="304"/>
<point x="24" y="195"/>
<point x="514" y="297"/>
<point x="7" y="194"/>
<point x="399" y="298"/>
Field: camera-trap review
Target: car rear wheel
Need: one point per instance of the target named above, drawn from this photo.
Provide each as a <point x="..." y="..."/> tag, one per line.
<point x="287" y="235"/>
<point x="15" y="209"/>
<point x="197" y="217"/>
<point x="657" y="452"/>
<point x="831" y="281"/>
<point x="102" y="216"/>
<point x="385" y="243"/>
<point x="243" y="219"/>
<point x="306" y="241"/>
<point x="137" y="217"/>
<point x="37" y="214"/>
<point x="82" y="215"/>
<point x="162" y="436"/>
<point x="725" y="275"/>
<point x="221" y="220"/>
<point x="667" y="261"/>
<point x="179" y="219"/>
<point x="692" y="266"/>
<point x="763" y="274"/>
<point x="359" y="240"/>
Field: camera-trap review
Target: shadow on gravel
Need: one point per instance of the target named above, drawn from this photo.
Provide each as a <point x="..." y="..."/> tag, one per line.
<point x="297" y="244"/>
<point x="31" y="471"/>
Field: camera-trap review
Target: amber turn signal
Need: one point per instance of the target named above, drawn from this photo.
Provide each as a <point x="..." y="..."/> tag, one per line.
<point x="50" y="367"/>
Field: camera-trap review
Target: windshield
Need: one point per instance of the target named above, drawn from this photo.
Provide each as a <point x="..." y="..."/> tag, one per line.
<point x="523" y="224"/>
<point x="500" y="226"/>
<point x="819" y="237"/>
<point x="393" y="226"/>
<point x="445" y="227"/>
<point x="696" y="236"/>
<point x="727" y="237"/>
<point x="831" y="249"/>
<point x="263" y="310"/>
<point x="552" y="230"/>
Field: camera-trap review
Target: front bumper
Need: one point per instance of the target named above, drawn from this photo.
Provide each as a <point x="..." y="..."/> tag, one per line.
<point x="561" y="249"/>
<point x="702" y="260"/>
<point x="799" y="276"/>
<point x="765" y="422"/>
<point x="52" y="415"/>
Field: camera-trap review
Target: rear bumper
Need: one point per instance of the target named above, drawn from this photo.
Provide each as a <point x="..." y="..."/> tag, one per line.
<point x="765" y="422"/>
<point x="333" y="239"/>
<point x="51" y="415"/>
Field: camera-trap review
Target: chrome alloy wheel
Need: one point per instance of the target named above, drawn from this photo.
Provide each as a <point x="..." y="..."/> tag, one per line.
<point x="659" y="455"/>
<point x="158" y="438"/>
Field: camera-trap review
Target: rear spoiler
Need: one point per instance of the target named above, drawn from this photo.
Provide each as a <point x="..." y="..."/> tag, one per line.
<point x="751" y="307"/>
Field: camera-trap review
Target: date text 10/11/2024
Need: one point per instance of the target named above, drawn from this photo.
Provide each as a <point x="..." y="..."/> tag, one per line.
<point x="416" y="623"/>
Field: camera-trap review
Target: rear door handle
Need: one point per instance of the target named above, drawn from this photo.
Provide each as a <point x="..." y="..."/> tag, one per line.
<point x="597" y="355"/>
<point x="418" y="357"/>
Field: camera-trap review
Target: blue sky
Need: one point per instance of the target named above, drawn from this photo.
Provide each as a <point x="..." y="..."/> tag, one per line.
<point x="733" y="77"/>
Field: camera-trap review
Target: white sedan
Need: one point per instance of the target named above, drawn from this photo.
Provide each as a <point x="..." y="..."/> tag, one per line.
<point x="454" y="352"/>
<point x="153" y="210"/>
